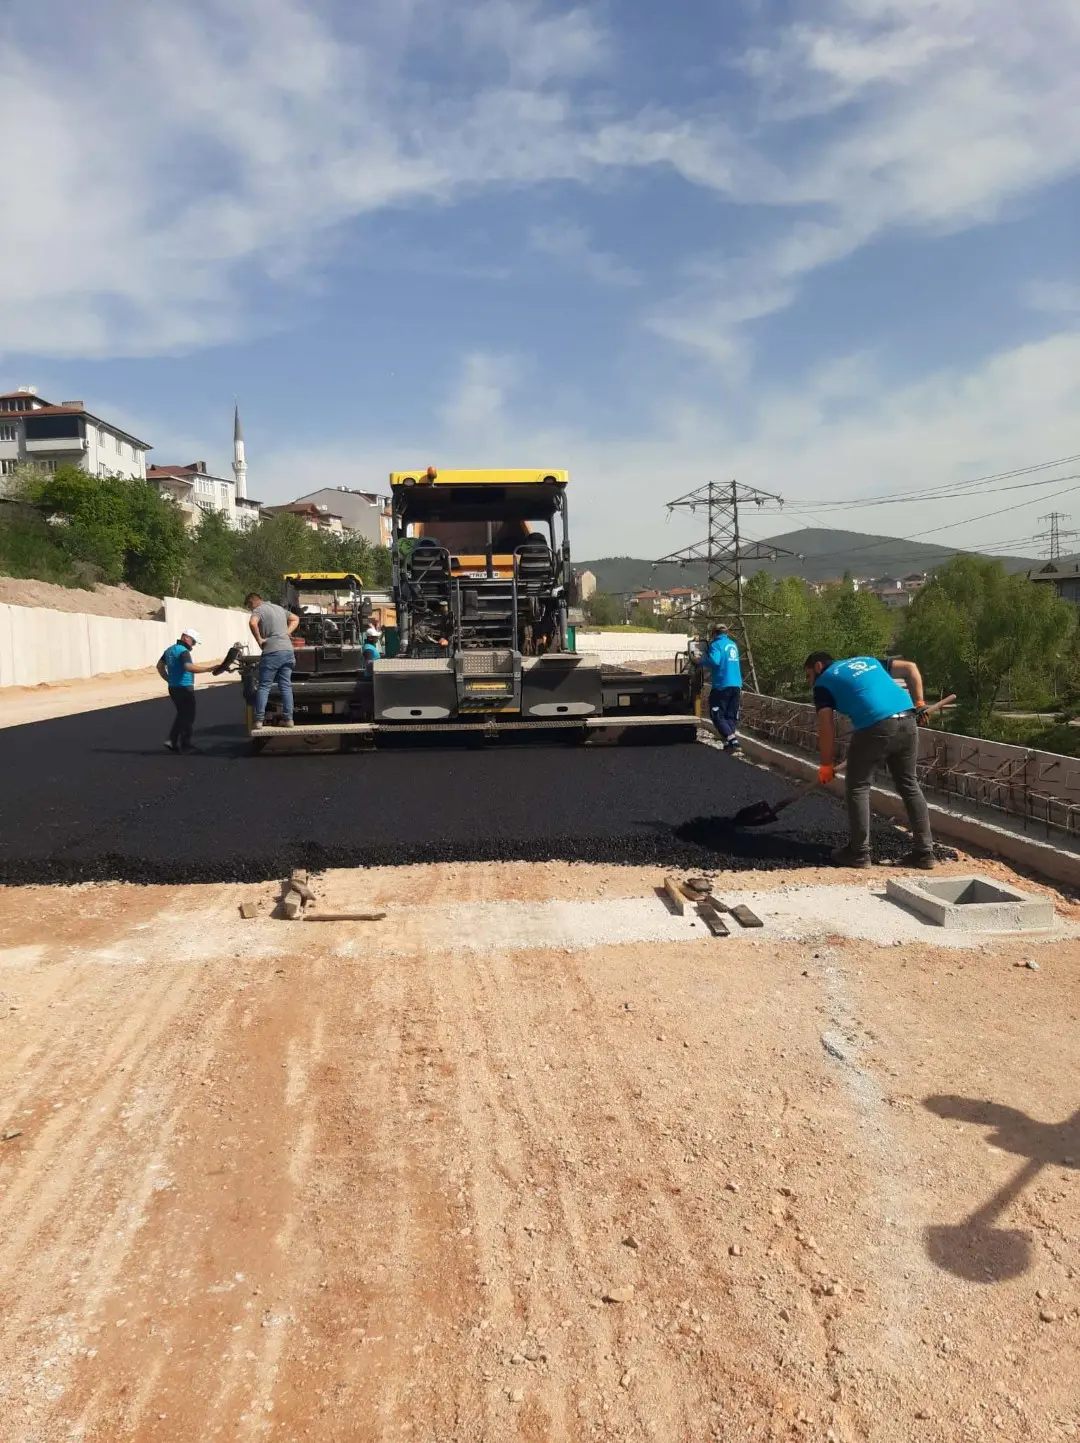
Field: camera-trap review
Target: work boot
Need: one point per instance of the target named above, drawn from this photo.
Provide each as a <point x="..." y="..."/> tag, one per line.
<point x="923" y="861"/>
<point x="286" y="721"/>
<point x="845" y="857"/>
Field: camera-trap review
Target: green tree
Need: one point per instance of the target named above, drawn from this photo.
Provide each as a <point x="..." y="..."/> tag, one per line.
<point x="784" y="620"/>
<point x="857" y="623"/>
<point x="355" y="554"/>
<point x="973" y="626"/>
<point x="603" y="609"/>
<point x="277" y="544"/>
<point x="157" y="543"/>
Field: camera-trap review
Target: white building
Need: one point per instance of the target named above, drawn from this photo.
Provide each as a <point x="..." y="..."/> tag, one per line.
<point x="197" y="492"/>
<point x="37" y="431"/>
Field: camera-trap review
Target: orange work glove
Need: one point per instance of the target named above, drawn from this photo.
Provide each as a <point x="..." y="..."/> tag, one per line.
<point x="825" y="774"/>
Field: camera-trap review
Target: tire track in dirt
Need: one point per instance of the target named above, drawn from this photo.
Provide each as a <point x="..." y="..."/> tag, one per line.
<point x="601" y="1105"/>
<point x="677" y="1256"/>
<point x="105" y="1208"/>
<point x="535" y="1113"/>
<point x="186" y="1287"/>
<point x="74" y="1134"/>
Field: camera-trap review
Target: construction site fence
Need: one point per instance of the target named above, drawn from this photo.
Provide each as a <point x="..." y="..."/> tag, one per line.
<point x="1040" y="789"/>
<point x="38" y="645"/>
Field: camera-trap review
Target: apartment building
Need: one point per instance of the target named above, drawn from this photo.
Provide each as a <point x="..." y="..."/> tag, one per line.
<point x="49" y="435"/>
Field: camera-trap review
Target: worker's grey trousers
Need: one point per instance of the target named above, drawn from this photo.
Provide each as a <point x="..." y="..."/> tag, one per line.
<point x="892" y="743"/>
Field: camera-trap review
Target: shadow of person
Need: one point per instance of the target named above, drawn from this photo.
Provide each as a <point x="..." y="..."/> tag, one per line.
<point x="976" y="1249"/>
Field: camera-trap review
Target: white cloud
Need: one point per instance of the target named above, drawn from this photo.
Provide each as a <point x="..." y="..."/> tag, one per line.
<point x="568" y="243"/>
<point x="1055" y="298"/>
<point x="931" y="116"/>
<point x="838" y="434"/>
<point x="540" y="47"/>
<point x="220" y="146"/>
<point x="161" y="179"/>
<point x="476" y="407"/>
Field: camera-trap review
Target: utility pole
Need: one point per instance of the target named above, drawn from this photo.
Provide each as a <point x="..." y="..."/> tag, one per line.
<point x="1055" y="535"/>
<point x="723" y="549"/>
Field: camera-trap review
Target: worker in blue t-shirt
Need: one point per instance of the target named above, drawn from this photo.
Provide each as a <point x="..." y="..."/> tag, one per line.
<point x="370" y="651"/>
<point x="884" y="720"/>
<point x="176" y="667"/>
<point x="725" y="695"/>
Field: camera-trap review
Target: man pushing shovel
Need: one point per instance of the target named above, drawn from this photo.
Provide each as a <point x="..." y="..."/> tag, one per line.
<point x="884" y="719"/>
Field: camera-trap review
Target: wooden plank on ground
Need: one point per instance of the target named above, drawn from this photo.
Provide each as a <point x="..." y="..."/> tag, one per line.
<point x="675" y="897"/>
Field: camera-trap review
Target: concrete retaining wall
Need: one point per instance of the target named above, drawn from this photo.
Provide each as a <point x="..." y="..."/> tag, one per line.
<point x="38" y="645"/>
<point x="616" y="647"/>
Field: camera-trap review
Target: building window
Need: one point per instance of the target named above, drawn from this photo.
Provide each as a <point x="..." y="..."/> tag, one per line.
<point x="7" y="468"/>
<point x="9" y="432"/>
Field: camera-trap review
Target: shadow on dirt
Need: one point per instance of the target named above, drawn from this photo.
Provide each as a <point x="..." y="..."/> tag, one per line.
<point x="976" y="1249"/>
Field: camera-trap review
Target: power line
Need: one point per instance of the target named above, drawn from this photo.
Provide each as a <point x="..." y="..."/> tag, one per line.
<point x="954" y="488"/>
<point x="948" y="526"/>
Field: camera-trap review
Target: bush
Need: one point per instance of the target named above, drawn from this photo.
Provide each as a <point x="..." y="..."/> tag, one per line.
<point x="29" y="550"/>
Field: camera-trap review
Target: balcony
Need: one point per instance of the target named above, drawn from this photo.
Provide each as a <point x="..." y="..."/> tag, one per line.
<point x="55" y="446"/>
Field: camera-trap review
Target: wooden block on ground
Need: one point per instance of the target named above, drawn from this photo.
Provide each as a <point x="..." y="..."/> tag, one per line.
<point x="248" y="910"/>
<point x="675" y="897"/>
<point x="298" y="874"/>
<point x="302" y="888"/>
<point x="344" y="916"/>
<point x="292" y="904"/>
<point x="745" y="917"/>
<point x="713" y="920"/>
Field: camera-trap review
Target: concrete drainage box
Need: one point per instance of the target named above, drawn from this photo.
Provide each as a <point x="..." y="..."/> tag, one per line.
<point x="973" y="904"/>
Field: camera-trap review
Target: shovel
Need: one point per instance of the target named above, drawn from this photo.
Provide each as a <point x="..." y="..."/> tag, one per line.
<point x="760" y="814"/>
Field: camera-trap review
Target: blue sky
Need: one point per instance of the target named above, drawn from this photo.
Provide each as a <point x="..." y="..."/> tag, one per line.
<point x="829" y="248"/>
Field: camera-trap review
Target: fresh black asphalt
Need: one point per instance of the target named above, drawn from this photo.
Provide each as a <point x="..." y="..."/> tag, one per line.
<point x="97" y="797"/>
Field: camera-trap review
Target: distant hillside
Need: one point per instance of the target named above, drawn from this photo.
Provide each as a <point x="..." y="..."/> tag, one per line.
<point x="824" y="555"/>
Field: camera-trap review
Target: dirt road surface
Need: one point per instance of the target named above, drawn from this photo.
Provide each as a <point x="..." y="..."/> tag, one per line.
<point x="348" y="1181"/>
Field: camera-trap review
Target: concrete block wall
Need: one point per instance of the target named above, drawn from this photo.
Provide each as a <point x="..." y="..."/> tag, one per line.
<point x="218" y="626"/>
<point x="38" y="645"/>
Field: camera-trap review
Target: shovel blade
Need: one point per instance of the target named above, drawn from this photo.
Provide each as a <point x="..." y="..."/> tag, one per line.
<point x="759" y="814"/>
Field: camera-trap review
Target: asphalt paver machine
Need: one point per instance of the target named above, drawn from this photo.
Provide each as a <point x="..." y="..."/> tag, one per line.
<point x="482" y="589"/>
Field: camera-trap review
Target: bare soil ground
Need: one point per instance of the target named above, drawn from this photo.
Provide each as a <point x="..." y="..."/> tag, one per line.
<point x="285" y="1181"/>
<point x="119" y="601"/>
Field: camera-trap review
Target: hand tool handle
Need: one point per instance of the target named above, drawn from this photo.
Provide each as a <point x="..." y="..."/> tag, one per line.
<point x="808" y="787"/>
